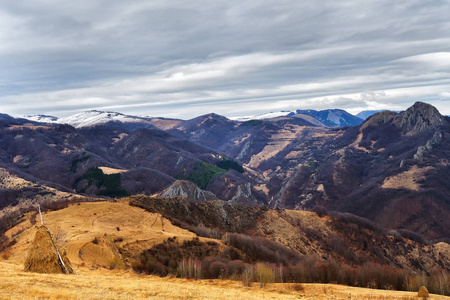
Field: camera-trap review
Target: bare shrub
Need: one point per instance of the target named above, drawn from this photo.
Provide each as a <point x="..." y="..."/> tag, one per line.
<point x="264" y="274"/>
<point x="218" y="269"/>
<point x="247" y="275"/>
<point x="202" y="230"/>
<point x="235" y="267"/>
<point x="360" y="221"/>
<point x="440" y="282"/>
<point x="260" y="249"/>
<point x="189" y="268"/>
<point x="33" y="218"/>
<point x="60" y="236"/>
<point x="413" y="283"/>
<point x="298" y="287"/>
<point x="230" y="253"/>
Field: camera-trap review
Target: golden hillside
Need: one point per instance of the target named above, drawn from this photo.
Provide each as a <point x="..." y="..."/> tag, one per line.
<point x="92" y="233"/>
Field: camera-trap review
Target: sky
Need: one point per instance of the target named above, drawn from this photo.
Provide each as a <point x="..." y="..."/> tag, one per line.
<point x="183" y="59"/>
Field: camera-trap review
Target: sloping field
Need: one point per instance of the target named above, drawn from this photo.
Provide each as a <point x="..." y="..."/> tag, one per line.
<point x="407" y="180"/>
<point x="92" y="233"/>
<point x="103" y="284"/>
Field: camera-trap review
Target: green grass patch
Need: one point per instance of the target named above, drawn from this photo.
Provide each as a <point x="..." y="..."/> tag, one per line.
<point x="203" y="173"/>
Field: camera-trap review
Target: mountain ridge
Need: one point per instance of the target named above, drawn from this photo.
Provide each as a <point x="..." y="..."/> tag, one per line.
<point x="401" y="158"/>
<point x="329" y="117"/>
<point x="92" y="118"/>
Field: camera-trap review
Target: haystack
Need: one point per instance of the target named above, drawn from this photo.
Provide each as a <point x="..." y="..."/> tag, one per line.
<point x="43" y="255"/>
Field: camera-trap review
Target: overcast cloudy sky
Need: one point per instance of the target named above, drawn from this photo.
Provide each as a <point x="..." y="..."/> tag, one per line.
<point x="236" y="58"/>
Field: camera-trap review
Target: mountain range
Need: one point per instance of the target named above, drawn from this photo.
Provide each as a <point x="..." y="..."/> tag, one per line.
<point x="329" y="118"/>
<point x="392" y="168"/>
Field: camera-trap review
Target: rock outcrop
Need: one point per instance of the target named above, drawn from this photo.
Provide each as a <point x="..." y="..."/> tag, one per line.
<point x="188" y="190"/>
<point x="423" y="150"/>
<point x="420" y="117"/>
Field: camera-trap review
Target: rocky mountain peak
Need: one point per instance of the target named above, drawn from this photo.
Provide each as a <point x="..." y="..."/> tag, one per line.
<point x="188" y="190"/>
<point x="420" y="117"/>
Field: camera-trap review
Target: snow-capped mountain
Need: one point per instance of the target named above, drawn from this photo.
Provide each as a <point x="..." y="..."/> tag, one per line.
<point x="328" y="117"/>
<point x="270" y="115"/>
<point x="89" y="118"/>
<point x="332" y="117"/>
<point x="95" y="117"/>
<point x="42" y="118"/>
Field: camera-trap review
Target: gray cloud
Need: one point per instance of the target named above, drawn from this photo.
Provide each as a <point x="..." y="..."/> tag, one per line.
<point x="182" y="59"/>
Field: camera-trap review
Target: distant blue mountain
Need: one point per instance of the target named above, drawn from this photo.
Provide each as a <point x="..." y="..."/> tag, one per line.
<point x="365" y="114"/>
<point x="332" y="117"/>
<point x="5" y="117"/>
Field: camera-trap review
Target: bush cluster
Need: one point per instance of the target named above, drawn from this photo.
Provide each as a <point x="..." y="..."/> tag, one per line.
<point x="108" y="184"/>
<point x="228" y="164"/>
<point x="253" y="259"/>
<point x="261" y="249"/>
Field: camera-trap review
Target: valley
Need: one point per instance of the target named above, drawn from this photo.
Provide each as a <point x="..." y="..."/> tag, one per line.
<point x="214" y="199"/>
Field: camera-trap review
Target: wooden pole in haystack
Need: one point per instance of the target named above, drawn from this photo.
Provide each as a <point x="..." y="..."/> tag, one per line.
<point x="61" y="261"/>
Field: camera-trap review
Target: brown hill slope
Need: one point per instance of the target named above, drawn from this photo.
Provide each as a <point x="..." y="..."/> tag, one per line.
<point x="343" y="237"/>
<point x="112" y="235"/>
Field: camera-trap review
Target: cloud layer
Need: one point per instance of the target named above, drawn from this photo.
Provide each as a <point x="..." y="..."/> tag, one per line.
<point x="186" y="58"/>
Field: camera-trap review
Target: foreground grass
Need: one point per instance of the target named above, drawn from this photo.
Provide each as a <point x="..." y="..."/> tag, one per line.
<point x="104" y="284"/>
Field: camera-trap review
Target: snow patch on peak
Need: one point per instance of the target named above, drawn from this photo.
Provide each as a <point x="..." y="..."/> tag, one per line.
<point x="335" y="116"/>
<point x="42" y="118"/>
<point x="270" y="115"/>
<point x="95" y="117"/>
<point x="89" y="118"/>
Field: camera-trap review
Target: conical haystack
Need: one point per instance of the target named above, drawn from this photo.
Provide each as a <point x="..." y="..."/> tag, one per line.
<point x="43" y="256"/>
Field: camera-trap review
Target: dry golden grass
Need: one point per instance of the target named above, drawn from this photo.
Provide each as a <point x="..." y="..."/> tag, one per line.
<point x="407" y="179"/>
<point x="103" y="284"/>
<point x="141" y="230"/>
<point x="165" y="124"/>
<point x="108" y="171"/>
<point x="106" y="222"/>
<point x="358" y="140"/>
<point x="277" y="143"/>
